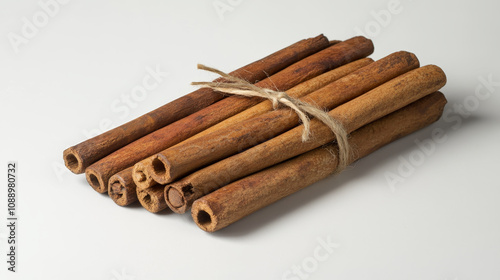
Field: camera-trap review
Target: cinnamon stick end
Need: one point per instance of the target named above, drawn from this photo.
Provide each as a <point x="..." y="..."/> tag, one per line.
<point x="204" y="217"/>
<point x="175" y="200"/>
<point x="175" y="197"/>
<point x="141" y="176"/>
<point x="119" y="194"/>
<point x="152" y="199"/>
<point x="147" y="201"/>
<point x="95" y="181"/>
<point x="160" y="169"/>
<point x="73" y="161"/>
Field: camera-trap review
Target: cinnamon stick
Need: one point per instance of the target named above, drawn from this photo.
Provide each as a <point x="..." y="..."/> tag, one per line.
<point x="122" y="189"/>
<point x="241" y="198"/>
<point x="142" y="176"/>
<point x="360" y="111"/>
<point x="295" y="92"/>
<point x="99" y="173"/>
<point x="82" y="155"/>
<point x="152" y="199"/>
<point x="178" y="161"/>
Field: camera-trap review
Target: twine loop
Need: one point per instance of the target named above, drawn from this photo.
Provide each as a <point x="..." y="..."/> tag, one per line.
<point x="237" y="86"/>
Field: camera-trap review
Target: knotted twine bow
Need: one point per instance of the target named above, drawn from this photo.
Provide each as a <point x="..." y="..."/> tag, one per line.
<point x="237" y="86"/>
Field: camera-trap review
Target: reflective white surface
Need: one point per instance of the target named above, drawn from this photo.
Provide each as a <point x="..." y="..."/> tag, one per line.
<point x="74" y="74"/>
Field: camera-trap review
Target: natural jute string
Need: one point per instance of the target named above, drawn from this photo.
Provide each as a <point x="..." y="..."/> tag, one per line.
<point x="237" y="86"/>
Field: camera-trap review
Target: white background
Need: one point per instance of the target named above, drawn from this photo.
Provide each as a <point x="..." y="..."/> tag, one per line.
<point x="441" y="222"/>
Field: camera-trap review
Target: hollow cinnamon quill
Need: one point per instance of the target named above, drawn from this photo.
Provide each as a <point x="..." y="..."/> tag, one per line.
<point x="241" y="198"/>
<point x="296" y="92"/>
<point x="82" y="155"/>
<point x="152" y="199"/>
<point x="122" y="189"/>
<point x="140" y="174"/>
<point x="344" y="52"/>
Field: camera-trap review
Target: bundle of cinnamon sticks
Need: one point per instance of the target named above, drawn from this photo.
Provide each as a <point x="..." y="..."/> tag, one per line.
<point x="225" y="156"/>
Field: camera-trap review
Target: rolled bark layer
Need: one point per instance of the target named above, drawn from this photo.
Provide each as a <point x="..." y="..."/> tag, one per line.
<point x="339" y="54"/>
<point x="122" y="189"/>
<point x="178" y="161"/>
<point x="354" y="114"/>
<point x="152" y="199"/>
<point x="142" y="175"/>
<point x="82" y="155"/>
<point x="296" y="92"/>
<point x="241" y="198"/>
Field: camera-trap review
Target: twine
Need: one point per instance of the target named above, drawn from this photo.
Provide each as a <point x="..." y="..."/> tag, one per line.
<point x="237" y="86"/>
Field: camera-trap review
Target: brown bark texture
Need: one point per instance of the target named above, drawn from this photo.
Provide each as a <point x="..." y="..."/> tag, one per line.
<point x="82" y="155"/>
<point x="339" y="54"/>
<point x="360" y="111"/>
<point x="179" y="160"/>
<point x="241" y="198"/>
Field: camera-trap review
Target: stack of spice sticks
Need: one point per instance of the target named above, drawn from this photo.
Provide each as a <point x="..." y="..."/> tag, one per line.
<point x="227" y="156"/>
